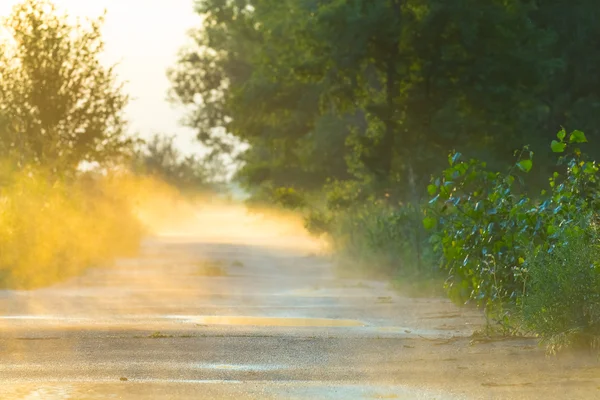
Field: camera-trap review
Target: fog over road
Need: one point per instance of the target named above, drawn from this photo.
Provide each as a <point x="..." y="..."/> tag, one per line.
<point x="244" y="307"/>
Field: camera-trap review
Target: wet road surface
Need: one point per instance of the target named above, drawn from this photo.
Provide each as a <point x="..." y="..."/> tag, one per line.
<point x="203" y="316"/>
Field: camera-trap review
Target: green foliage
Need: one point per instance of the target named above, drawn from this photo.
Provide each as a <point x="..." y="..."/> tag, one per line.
<point x="483" y="230"/>
<point x="319" y="222"/>
<point x="492" y="235"/>
<point x="558" y="147"/>
<point x="289" y="198"/>
<point x="373" y="238"/>
<point x="376" y="92"/>
<point x="562" y="303"/>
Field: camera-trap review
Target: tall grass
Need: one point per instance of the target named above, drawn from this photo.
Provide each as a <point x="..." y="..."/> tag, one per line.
<point x="51" y="229"/>
<point x="562" y="304"/>
<point x="377" y="240"/>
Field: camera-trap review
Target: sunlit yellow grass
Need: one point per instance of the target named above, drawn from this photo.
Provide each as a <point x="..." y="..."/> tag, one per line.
<point x="52" y="229"/>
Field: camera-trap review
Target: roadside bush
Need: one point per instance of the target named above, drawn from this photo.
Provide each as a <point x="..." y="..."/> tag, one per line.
<point x="483" y="227"/>
<point x="51" y="229"/>
<point x="562" y="303"/>
<point x="375" y="239"/>
<point x="501" y="248"/>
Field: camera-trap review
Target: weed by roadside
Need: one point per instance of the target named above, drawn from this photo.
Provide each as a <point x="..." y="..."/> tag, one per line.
<point x="158" y="335"/>
<point x="211" y="268"/>
<point x="562" y="304"/>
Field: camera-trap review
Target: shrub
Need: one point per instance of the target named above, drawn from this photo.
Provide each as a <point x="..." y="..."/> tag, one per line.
<point x="497" y="242"/>
<point x="483" y="226"/>
<point x="562" y="303"/>
<point x="376" y="239"/>
<point x="52" y="229"/>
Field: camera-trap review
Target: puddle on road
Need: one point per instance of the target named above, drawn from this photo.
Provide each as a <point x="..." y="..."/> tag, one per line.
<point x="276" y="321"/>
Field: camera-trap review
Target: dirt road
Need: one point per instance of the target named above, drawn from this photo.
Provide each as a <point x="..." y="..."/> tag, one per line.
<point x="242" y="308"/>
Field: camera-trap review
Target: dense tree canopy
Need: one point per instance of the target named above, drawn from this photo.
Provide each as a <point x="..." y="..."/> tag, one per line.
<point x="378" y="92"/>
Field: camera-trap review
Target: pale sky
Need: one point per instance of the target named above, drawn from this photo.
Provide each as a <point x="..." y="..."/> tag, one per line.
<point x="143" y="36"/>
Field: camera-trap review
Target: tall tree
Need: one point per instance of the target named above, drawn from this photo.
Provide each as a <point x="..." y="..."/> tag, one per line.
<point x="61" y="106"/>
<point x="238" y="79"/>
<point x="379" y="91"/>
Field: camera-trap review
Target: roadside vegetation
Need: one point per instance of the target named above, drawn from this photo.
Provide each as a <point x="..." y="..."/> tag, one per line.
<point x="59" y="108"/>
<point x="347" y="109"/>
<point x="71" y="181"/>
<point x="530" y="262"/>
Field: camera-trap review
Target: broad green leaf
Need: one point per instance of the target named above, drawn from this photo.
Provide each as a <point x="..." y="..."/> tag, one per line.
<point x="558" y="147"/>
<point x="525" y="165"/>
<point x="429" y="222"/>
<point x="432" y="190"/>
<point x="561" y="135"/>
<point x="577" y="137"/>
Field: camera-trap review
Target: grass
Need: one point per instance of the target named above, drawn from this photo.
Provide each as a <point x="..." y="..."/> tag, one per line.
<point x="158" y="335"/>
<point x="53" y="228"/>
<point x="384" y="300"/>
<point x="562" y="304"/>
<point x="211" y="268"/>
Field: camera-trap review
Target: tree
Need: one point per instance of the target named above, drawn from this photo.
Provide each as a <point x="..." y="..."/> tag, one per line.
<point x="571" y="94"/>
<point x="60" y="105"/>
<point x="238" y="79"/>
<point x="160" y="158"/>
<point x="379" y="91"/>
